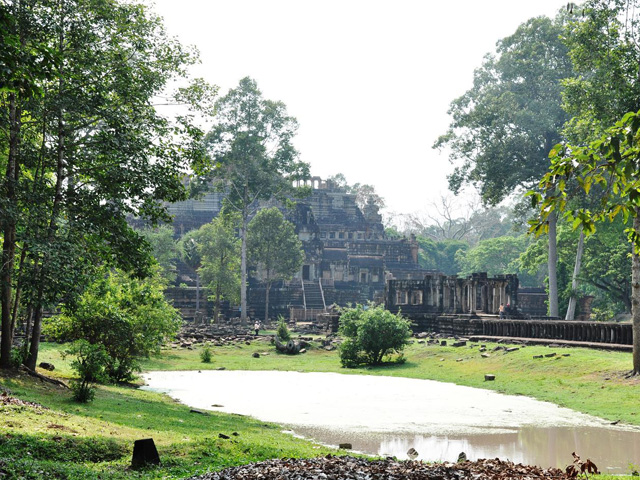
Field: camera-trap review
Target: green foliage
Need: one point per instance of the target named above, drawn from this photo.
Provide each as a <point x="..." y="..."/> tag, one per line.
<point x="371" y="333"/>
<point x="83" y="144"/>
<point x="441" y="255"/>
<point x="251" y="157"/>
<point x="205" y="355"/>
<point x="219" y="251"/>
<point x="129" y="317"/>
<point x="604" y="49"/>
<point x="89" y="363"/>
<point x="274" y="245"/>
<point x="496" y="256"/>
<point x="282" y="331"/>
<point x="607" y="267"/>
<point x="164" y="248"/>
<point x="609" y="162"/>
<point x="18" y="356"/>
<point x="504" y="126"/>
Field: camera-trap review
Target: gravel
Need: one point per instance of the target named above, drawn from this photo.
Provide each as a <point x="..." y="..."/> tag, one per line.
<point x="351" y="468"/>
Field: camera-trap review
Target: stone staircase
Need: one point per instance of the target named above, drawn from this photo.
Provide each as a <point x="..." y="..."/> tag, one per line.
<point x="313" y="296"/>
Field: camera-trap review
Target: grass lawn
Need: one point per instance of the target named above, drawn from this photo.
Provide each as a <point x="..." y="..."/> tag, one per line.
<point x="69" y="440"/>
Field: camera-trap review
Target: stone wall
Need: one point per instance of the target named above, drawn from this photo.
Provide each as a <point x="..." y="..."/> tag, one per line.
<point x="595" y="332"/>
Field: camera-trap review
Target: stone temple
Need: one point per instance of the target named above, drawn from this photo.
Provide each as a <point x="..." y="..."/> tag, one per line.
<point x="348" y="259"/>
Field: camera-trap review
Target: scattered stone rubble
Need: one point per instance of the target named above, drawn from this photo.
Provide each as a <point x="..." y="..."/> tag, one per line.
<point x="350" y="468"/>
<point x="220" y="335"/>
<point x="7" y="399"/>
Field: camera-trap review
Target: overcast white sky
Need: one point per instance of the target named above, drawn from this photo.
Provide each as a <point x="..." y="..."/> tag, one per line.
<point x="369" y="81"/>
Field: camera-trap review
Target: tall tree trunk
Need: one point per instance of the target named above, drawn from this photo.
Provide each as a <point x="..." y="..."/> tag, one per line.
<point x="32" y="359"/>
<point x="16" y="300"/>
<point x="243" y="267"/>
<point x="197" y="293"/>
<point x="266" y="304"/>
<point x="27" y="331"/>
<point x="9" y="230"/>
<point x="571" y="309"/>
<point x="216" y="307"/>
<point x="553" y="264"/>
<point x="635" y="296"/>
<point x="53" y="221"/>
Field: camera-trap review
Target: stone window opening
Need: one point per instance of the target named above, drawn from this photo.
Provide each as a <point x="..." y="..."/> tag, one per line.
<point x="401" y="298"/>
<point x="416" y="297"/>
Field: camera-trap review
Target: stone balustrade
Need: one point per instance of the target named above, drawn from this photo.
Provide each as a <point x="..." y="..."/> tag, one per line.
<point x="594" y="332"/>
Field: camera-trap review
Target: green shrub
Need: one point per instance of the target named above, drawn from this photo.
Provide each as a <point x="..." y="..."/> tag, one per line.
<point x="130" y="317"/>
<point x="205" y="355"/>
<point x="18" y="356"/>
<point x="89" y="364"/>
<point x="371" y="333"/>
<point x="283" y="331"/>
<point x="82" y="392"/>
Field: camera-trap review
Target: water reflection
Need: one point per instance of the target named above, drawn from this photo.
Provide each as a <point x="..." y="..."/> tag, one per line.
<point x="611" y="450"/>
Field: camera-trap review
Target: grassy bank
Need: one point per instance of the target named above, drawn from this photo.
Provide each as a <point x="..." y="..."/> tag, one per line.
<point x="69" y="440"/>
<point x="73" y="441"/>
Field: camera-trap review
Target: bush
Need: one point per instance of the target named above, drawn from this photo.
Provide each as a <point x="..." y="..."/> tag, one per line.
<point x="82" y="392"/>
<point x="371" y="333"/>
<point x="283" y="331"/>
<point x="131" y="318"/>
<point x="18" y="356"/>
<point x="89" y="364"/>
<point x="205" y="355"/>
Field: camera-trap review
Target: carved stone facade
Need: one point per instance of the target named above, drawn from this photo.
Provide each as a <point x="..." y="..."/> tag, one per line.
<point x="439" y="294"/>
<point x="348" y="257"/>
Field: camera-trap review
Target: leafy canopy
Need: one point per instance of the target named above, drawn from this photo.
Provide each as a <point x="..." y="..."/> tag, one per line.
<point x="274" y="245"/>
<point x="131" y="318"/>
<point x="504" y="126"/>
<point x="371" y="333"/>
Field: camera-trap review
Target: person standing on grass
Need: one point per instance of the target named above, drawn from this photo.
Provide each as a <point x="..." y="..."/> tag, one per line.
<point x="256" y="326"/>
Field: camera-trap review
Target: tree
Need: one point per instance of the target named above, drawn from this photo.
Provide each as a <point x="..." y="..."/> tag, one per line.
<point x="131" y="318"/>
<point x="220" y="252"/>
<point x="275" y="247"/>
<point x="89" y="364"/>
<point x="603" y="46"/>
<point x="371" y="333"/>
<point x="189" y="251"/>
<point x="367" y="199"/>
<point x="165" y="250"/>
<point x="251" y="158"/>
<point x="93" y="149"/>
<point x="612" y="162"/>
<point x="496" y="256"/>
<point x="504" y="127"/>
<point x="607" y="264"/>
<point x="442" y="255"/>
<point x="603" y="41"/>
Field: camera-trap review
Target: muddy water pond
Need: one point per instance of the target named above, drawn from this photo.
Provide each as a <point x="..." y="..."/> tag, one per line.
<point x="388" y="415"/>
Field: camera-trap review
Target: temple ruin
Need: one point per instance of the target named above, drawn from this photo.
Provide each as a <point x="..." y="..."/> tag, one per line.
<point x="349" y="259"/>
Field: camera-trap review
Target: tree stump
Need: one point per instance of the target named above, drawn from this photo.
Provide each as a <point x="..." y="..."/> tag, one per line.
<point x="144" y="453"/>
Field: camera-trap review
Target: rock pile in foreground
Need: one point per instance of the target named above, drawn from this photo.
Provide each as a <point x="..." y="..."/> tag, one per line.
<point x="350" y="468"/>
